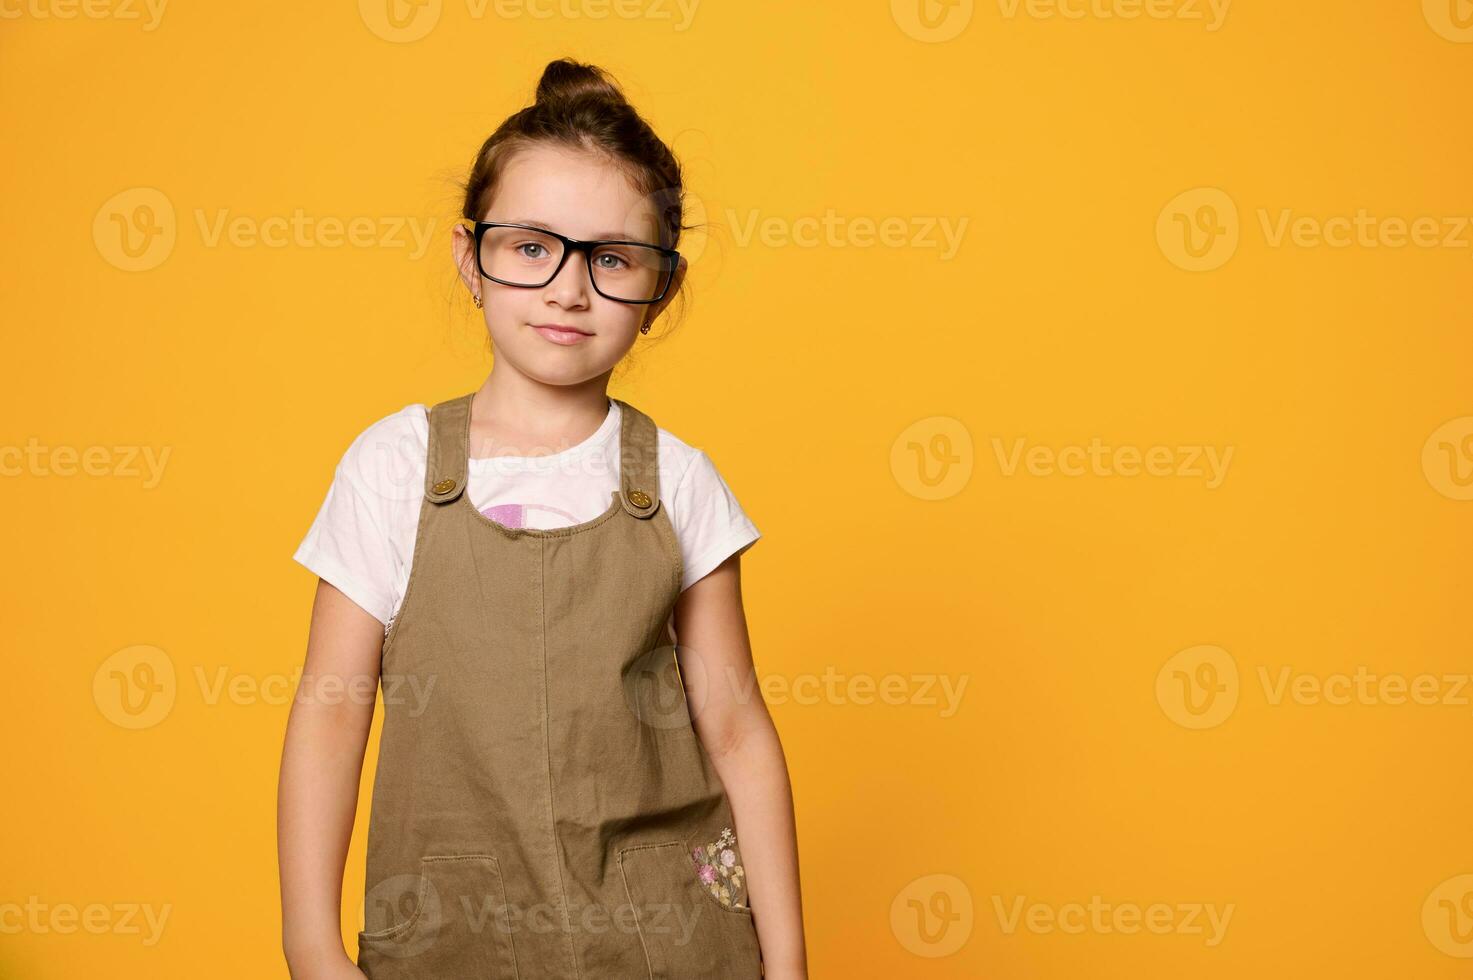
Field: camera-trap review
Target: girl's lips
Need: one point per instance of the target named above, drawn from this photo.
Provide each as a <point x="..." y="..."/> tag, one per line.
<point x="559" y="335"/>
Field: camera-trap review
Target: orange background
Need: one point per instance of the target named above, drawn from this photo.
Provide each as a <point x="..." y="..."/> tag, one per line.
<point x="839" y="386"/>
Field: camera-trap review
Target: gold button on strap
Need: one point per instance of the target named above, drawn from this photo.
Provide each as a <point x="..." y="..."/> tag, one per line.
<point x="444" y="486"/>
<point x="639" y="498"/>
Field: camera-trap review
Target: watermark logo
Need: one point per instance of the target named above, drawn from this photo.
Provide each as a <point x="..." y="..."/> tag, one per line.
<point x="404" y="908"/>
<point x="1452" y="20"/>
<point x="932" y="21"/>
<point x="1198" y="230"/>
<point x="400" y="21"/>
<point x="933" y="916"/>
<point x="651" y="216"/>
<point x="135" y="688"/>
<point x="135" y="229"/>
<point x="1447" y="458"/>
<point x="932" y="458"/>
<point x="1198" y="687"/>
<point x="655" y="686"/>
<point x="1447" y="916"/>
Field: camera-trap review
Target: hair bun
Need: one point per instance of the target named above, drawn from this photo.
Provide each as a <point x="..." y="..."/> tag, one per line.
<point x="566" y="80"/>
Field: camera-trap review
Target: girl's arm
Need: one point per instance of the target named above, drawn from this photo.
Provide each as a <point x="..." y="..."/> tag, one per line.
<point x="321" y="763"/>
<point x="731" y="718"/>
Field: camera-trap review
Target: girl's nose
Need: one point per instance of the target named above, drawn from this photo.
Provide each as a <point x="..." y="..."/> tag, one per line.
<point x="570" y="286"/>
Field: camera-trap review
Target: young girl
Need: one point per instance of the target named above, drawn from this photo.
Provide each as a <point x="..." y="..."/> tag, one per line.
<point x="561" y="791"/>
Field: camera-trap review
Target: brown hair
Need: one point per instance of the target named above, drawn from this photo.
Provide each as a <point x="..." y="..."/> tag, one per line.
<point x="580" y="107"/>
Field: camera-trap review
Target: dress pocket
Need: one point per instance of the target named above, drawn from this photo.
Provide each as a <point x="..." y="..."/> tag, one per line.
<point x="687" y="931"/>
<point x="448" y="921"/>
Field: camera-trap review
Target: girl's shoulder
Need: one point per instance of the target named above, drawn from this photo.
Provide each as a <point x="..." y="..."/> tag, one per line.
<point x="676" y="455"/>
<point x="386" y="459"/>
<point x="688" y="475"/>
<point x="686" y="468"/>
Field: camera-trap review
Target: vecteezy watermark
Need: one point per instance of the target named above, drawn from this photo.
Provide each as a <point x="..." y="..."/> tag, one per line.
<point x="1362" y="229"/>
<point x="1447" y="916"/>
<point x="41" y="918"/>
<point x="455" y="896"/>
<point x="1199" y="230"/>
<point x="137" y="687"/>
<point x="1361" y="686"/>
<point x="1210" y="13"/>
<point x="223" y="685"/>
<point x="116" y="462"/>
<point x="1192" y="462"/>
<point x="136" y="230"/>
<point x="1447" y="458"/>
<point x="938" y="233"/>
<point x="1099" y="917"/>
<point x="662" y="697"/>
<point x="405" y="21"/>
<point x="933" y="459"/>
<point x="934" y="916"/>
<point x="831" y="687"/>
<point x="934" y="21"/>
<point x="148" y="13"/>
<point x="1200" y="687"/>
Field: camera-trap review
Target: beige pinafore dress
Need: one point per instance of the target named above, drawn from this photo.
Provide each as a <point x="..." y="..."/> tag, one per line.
<point x="542" y="807"/>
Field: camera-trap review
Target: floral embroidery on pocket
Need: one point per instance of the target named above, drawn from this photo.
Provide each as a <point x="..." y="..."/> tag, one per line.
<point x="719" y="868"/>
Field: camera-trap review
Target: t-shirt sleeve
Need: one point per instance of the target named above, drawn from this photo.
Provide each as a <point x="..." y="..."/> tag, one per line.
<point x="709" y="523"/>
<point x="346" y="544"/>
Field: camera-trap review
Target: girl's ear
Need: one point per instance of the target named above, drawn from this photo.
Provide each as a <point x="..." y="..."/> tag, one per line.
<point x="463" y="254"/>
<point x="657" y="308"/>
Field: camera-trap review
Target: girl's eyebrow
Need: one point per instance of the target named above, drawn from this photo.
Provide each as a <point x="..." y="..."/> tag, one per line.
<point x="618" y="236"/>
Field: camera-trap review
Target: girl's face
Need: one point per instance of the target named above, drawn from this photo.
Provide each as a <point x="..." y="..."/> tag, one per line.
<point x="582" y="196"/>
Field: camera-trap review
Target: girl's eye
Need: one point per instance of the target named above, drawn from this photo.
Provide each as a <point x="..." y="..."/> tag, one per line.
<point x="615" y="262"/>
<point x="525" y="245"/>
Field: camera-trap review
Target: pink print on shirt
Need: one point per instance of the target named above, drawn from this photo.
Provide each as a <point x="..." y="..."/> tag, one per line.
<point x="515" y="515"/>
<point x="507" y="515"/>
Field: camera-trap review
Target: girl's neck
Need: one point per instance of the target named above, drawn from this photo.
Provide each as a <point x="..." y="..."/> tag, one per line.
<point x="522" y="417"/>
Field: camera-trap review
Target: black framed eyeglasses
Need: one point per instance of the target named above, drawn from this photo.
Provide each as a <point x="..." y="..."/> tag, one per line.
<point x="530" y="256"/>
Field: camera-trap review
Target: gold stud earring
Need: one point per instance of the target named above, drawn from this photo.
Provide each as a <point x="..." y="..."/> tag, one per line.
<point x="645" y="328"/>
<point x="476" y="297"/>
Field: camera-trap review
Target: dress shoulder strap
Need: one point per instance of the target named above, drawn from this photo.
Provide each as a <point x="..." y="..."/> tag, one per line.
<point x="639" y="461"/>
<point x="445" y="462"/>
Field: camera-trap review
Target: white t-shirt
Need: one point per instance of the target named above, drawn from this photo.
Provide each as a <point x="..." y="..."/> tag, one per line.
<point x="362" y="540"/>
